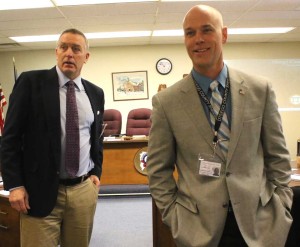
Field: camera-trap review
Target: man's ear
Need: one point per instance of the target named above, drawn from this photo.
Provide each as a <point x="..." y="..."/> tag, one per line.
<point x="87" y="57"/>
<point x="224" y="35"/>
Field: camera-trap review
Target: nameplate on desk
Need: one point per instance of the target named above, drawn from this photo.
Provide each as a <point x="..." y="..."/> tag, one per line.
<point x="139" y="137"/>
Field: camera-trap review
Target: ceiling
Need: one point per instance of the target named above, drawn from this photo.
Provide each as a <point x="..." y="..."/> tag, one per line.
<point x="145" y="16"/>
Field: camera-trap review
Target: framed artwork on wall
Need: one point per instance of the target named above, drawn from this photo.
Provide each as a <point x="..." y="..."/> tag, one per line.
<point x="131" y="85"/>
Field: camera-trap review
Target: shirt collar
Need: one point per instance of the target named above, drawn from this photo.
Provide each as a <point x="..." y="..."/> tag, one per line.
<point x="204" y="81"/>
<point x="62" y="79"/>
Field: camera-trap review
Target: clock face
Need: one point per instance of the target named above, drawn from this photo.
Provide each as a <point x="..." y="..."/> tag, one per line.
<point x="164" y="66"/>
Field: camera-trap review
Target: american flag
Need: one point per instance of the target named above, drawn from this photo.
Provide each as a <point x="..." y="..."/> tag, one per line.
<point x="2" y="104"/>
<point x="15" y="70"/>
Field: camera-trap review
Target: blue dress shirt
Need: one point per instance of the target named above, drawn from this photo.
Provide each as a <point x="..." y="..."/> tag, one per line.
<point x="204" y="82"/>
<point x="86" y="119"/>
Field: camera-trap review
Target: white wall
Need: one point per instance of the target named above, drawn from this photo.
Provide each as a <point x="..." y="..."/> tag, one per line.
<point x="105" y="60"/>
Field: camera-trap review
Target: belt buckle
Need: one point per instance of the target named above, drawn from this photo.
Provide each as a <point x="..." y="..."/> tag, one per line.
<point x="83" y="177"/>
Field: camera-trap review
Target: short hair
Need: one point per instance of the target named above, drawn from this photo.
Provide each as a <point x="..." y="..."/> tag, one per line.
<point x="76" y="31"/>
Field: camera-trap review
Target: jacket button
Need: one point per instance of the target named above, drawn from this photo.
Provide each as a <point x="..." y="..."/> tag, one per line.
<point x="225" y="205"/>
<point x="228" y="174"/>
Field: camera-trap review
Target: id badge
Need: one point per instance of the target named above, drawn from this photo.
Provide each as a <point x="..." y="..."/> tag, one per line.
<point x="209" y="165"/>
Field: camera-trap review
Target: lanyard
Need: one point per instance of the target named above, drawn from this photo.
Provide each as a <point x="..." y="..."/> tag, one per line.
<point x="222" y="107"/>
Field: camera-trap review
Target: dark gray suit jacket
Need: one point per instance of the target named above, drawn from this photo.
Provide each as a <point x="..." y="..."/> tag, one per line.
<point x="31" y="145"/>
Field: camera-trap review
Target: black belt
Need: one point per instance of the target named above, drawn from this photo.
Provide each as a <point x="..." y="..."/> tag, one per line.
<point x="73" y="181"/>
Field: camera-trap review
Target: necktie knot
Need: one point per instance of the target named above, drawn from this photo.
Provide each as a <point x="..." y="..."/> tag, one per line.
<point x="70" y="84"/>
<point x="214" y="86"/>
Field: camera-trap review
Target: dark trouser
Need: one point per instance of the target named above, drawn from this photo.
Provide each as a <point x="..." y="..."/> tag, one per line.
<point x="293" y="239"/>
<point x="232" y="236"/>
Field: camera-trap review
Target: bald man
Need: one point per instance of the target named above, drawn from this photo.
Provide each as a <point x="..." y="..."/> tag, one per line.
<point x="248" y="202"/>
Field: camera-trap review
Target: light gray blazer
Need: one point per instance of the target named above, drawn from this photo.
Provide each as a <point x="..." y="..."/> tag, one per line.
<point x="255" y="176"/>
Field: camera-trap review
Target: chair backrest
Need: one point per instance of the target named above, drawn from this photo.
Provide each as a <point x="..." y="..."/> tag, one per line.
<point x="138" y="122"/>
<point x="113" y="119"/>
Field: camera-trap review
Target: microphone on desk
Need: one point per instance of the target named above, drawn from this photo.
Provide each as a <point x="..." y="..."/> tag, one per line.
<point x="115" y="135"/>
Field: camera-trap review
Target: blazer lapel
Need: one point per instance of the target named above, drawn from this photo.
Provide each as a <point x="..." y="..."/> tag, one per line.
<point x="90" y="95"/>
<point x="51" y="102"/>
<point x="93" y="100"/>
<point x="238" y="91"/>
<point x="50" y="90"/>
<point x="190" y="99"/>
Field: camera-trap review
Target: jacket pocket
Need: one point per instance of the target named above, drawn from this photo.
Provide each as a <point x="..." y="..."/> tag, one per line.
<point x="187" y="203"/>
<point x="267" y="194"/>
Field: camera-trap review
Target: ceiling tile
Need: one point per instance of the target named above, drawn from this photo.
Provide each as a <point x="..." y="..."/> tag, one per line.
<point x="147" y="16"/>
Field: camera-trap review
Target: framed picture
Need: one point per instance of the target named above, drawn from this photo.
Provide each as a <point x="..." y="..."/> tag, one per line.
<point x="130" y="85"/>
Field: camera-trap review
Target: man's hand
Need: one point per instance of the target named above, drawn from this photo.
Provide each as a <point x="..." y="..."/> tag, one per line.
<point x="95" y="180"/>
<point x="19" y="200"/>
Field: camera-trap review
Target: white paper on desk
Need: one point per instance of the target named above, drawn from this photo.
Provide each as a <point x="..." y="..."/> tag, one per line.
<point x="111" y="138"/>
<point x="4" y="192"/>
<point x="295" y="177"/>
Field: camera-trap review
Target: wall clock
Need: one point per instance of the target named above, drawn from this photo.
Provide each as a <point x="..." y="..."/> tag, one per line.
<point x="164" y="66"/>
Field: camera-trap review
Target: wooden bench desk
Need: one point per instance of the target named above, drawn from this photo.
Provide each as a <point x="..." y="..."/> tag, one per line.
<point x="119" y="162"/>
<point x="9" y="224"/>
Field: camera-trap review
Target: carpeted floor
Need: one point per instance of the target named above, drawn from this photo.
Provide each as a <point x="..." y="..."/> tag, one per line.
<point x="123" y="221"/>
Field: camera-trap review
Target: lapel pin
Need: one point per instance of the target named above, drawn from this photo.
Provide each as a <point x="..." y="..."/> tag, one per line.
<point x="98" y="112"/>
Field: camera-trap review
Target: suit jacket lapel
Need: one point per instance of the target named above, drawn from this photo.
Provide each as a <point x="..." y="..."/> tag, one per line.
<point x="50" y="90"/>
<point x="51" y="102"/>
<point x="90" y="94"/>
<point x="238" y="91"/>
<point x="93" y="100"/>
<point x="192" y="104"/>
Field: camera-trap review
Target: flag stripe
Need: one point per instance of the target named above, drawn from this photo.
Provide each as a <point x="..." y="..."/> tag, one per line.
<point x="2" y="104"/>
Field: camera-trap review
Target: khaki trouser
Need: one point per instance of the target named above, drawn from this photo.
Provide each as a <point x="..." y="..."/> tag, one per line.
<point x="70" y="224"/>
